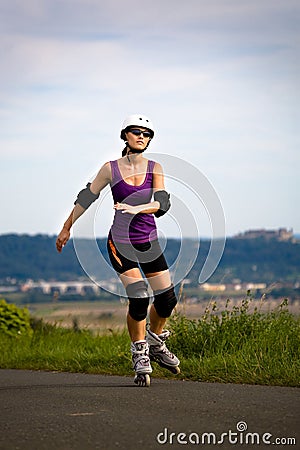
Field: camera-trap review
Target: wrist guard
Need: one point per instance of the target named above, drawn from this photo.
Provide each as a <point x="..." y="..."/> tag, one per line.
<point x="85" y="197"/>
<point x="163" y="197"/>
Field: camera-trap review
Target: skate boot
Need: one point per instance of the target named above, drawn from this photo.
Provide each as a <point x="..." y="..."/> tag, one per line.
<point x="159" y="352"/>
<point x="141" y="363"/>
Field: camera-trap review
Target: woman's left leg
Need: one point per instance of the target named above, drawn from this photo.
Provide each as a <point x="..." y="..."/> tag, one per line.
<point x="162" y="307"/>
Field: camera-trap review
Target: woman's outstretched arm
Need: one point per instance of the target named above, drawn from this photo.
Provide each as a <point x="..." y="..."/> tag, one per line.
<point x="83" y="201"/>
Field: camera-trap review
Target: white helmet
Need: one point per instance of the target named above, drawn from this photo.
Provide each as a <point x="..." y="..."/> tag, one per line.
<point x="136" y="120"/>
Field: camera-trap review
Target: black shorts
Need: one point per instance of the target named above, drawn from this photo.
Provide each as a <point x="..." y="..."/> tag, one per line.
<point x="148" y="256"/>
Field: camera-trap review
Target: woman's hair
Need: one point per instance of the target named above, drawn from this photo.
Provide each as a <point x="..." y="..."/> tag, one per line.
<point x="124" y="151"/>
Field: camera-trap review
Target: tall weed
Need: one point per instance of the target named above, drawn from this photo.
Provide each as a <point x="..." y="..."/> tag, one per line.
<point x="240" y="345"/>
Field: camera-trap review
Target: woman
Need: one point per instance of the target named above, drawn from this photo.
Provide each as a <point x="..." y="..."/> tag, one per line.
<point x="133" y="245"/>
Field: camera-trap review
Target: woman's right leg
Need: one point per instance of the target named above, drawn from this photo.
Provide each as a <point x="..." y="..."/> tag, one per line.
<point x="124" y="262"/>
<point x="138" y="298"/>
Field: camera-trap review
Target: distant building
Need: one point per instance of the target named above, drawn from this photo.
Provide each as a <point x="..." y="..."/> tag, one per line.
<point x="282" y="234"/>
<point x="213" y="287"/>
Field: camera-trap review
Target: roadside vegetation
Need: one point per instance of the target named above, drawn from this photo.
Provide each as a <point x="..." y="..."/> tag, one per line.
<point x="239" y="344"/>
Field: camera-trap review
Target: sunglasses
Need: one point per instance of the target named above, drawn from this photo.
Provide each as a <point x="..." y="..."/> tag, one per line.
<point x="137" y="132"/>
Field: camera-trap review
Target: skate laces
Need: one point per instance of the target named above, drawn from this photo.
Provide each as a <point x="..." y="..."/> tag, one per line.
<point x="159" y="344"/>
<point x="139" y="347"/>
<point x="140" y="353"/>
<point x="164" y="335"/>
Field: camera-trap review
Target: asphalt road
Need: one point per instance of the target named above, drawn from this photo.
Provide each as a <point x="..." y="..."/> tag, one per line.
<point x="63" y="411"/>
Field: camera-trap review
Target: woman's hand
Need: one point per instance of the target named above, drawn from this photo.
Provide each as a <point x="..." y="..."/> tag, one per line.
<point x="62" y="239"/>
<point x="127" y="209"/>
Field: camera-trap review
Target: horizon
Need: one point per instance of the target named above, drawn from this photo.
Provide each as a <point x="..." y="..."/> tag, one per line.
<point x="295" y="234"/>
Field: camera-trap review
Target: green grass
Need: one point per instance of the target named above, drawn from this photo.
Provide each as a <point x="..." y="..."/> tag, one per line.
<point x="235" y="345"/>
<point x="56" y="348"/>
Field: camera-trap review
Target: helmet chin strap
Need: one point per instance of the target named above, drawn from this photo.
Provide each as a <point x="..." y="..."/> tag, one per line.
<point x="134" y="150"/>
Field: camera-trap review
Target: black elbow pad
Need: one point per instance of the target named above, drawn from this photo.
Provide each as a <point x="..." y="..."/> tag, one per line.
<point x="163" y="197"/>
<point x="85" y="197"/>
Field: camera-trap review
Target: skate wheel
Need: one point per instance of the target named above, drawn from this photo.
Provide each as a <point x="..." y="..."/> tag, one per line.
<point x="175" y="370"/>
<point x="142" y="380"/>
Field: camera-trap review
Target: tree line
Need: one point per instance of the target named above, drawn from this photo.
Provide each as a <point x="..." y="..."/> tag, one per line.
<point x="248" y="260"/>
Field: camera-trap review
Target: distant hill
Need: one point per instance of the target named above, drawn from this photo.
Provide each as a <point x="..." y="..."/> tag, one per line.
<point x="248" y="260"/>
<point x="24" y="256"/>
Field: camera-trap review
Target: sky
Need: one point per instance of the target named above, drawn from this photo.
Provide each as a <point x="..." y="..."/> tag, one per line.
<point x="218" y="78"/>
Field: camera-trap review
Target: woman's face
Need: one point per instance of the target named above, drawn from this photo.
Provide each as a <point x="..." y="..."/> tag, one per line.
<point x="136" y="138"/>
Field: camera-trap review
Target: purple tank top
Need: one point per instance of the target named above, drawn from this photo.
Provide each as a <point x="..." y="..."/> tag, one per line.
<point x="127" y="228"/>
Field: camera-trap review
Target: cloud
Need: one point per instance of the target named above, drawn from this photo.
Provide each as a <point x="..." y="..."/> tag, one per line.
<point x="94" y="19"/>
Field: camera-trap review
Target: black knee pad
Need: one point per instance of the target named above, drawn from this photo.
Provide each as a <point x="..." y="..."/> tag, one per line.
<point x="138" y="300"/>
<point x="165" y="302"/>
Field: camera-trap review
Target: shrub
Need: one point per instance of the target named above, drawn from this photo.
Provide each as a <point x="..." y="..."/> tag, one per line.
<point x="14" y="321"/>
